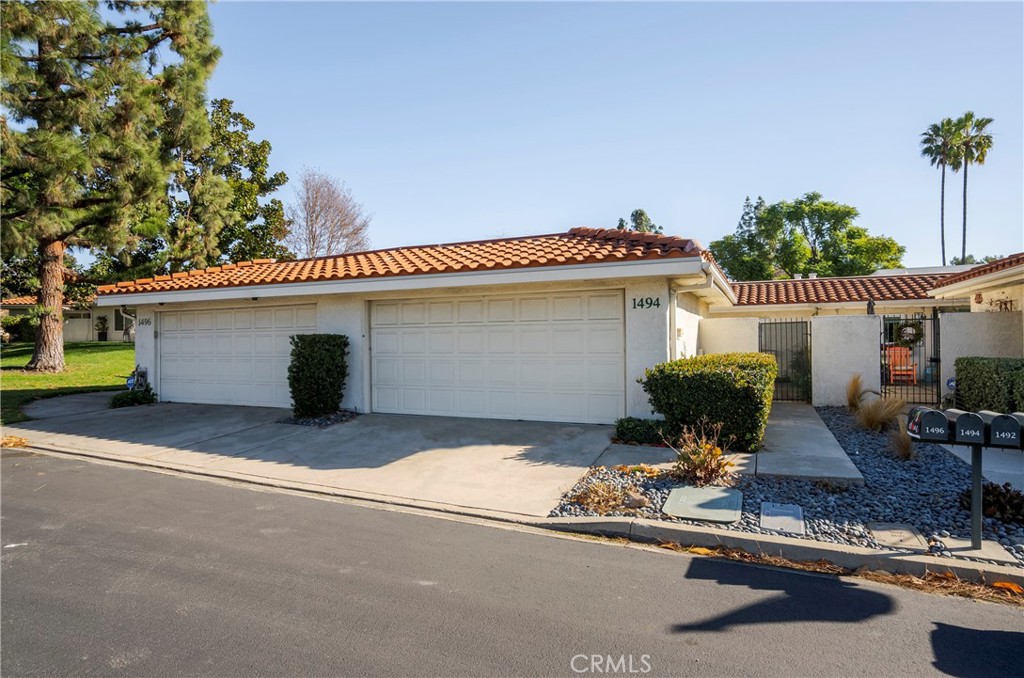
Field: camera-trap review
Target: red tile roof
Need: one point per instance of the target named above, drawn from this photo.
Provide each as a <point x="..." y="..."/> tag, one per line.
<point x="985" y="269"/>
<point x="19" y="301"/>
<point x="30" y="300"/>
<point x="578" y="246"/>
<point x="836" y="290"/>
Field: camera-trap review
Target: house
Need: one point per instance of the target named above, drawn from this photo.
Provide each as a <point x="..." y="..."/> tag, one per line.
<point x="995" y="286"/>
<point x="80" y="320"/>
<point x="554" y="327"/>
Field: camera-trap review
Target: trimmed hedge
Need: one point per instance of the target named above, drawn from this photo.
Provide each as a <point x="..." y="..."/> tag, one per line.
<point x="734" y="389"/>
<point x="317" y="373"/>
<point x="990" y="384"/>
<point x="630" y="430"/>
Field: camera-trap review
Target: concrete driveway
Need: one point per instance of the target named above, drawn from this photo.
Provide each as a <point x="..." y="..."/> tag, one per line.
<point x="483" y="464"/>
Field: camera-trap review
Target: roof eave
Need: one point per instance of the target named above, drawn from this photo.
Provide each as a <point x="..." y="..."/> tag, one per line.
<point x="563" y="273"/>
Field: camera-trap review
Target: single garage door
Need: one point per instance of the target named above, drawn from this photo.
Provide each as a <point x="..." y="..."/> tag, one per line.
<point x="233" y="356"/>
<point x="555" y="357"/>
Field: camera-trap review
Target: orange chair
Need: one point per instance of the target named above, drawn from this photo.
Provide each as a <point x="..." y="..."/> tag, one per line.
<point x="901" y="366"/>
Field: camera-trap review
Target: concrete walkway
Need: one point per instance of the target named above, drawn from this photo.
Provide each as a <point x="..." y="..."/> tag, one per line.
<point x="798" y="444"/>
<point x="997" y="466"/>
<point x="489" y="465"/>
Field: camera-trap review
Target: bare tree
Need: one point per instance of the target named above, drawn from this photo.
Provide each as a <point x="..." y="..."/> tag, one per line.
<point x="325" y="219"/>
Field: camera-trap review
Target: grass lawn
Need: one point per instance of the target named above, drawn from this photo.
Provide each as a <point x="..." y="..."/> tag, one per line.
<point x="91" y="366"/>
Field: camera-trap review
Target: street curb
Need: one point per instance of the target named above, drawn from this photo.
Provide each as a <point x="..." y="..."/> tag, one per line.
<point x="635" y="529"/>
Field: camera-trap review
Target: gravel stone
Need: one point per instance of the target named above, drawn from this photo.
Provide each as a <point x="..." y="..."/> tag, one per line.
<point x="922" y="492"/>
<point x="339" y="417"/>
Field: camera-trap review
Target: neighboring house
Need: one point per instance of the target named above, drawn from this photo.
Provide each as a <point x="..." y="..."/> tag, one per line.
<point x="551" y="327"/>
<point x="79" y="321"/>
<point x="996" y="286"/>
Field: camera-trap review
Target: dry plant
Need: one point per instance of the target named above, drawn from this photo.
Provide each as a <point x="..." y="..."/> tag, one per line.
<point x="325" y="219"/>
<point x="700" y="458"/>
<point x="880" y="414"/>
<point x="900" y="441"/>
<point x="600" y="497"/>
<point x="13" y="441"/>
<point x="855" y="392"/>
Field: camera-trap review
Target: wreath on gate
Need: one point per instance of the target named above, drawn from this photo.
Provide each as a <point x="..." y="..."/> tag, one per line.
<point x="909" y="334"/>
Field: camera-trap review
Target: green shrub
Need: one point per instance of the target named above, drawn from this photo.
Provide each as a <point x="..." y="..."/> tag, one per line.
<point x="19" y="327"/>
<point x="734" y="389"/>
<point x="633" y="431"/>
<point x="990" y="384"/>
<point x="144" y="396"/>
<point x="317" y="373"/>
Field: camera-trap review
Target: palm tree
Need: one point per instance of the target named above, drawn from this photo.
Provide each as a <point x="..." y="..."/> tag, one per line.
<point x="972" y="146"/>
<point x="938" y="144"/>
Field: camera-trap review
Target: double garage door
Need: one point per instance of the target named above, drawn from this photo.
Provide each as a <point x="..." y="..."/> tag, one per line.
<point x="230" y="356"/>
<point x="555" y="357"/>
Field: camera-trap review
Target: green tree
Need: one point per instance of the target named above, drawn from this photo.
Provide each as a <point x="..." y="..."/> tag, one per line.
<point x="260" y="226"/>
<point x="973" y="143"/>
<point x="639" y="221"/>
<point x="971" y="259"/>
<point x="938" y="144"/>
<point x="807" y="235"/>
<point x="97" y="107"/>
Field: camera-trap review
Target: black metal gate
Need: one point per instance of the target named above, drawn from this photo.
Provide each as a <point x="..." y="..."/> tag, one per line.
<point x="910" y="358"/>
<point x="789" y="340"/>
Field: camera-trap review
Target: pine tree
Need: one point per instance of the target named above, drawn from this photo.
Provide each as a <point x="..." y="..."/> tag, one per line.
<point x="97" y="108"/>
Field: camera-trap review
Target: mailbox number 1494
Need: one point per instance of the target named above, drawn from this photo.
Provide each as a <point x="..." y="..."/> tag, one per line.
<point x="646" y="302"/>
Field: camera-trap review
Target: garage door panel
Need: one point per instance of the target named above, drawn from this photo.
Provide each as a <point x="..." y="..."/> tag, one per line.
<point x="232" y="356"/>
<point x="501" y="310"/>
<point x="557" y="357"/>
<point x="441" y="342"/>
<point x="414" y="400"/>
<point x="414" y="372"/>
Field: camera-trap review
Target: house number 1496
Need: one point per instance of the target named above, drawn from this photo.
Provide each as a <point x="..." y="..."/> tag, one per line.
<point x="646" y="302"/>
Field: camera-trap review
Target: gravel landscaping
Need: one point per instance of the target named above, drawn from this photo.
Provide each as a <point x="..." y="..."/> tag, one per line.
<point x="922" y="492"/>
<point x="339" y="417"/>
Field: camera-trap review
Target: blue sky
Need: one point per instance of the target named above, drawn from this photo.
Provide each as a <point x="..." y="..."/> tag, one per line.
<point x="464" y="121"/>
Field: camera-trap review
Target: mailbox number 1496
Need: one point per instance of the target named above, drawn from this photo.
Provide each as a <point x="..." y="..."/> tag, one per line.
<point x="646" y="302"/>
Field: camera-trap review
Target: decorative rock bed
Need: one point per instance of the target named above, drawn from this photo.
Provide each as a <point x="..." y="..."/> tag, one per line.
<point x="339" y="417"/>
<point x="922" y="492"/>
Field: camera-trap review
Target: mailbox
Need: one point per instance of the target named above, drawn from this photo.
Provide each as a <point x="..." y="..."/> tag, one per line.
<point x="926" y="424"/>
<point x="1003" y="429"/>
<point x="969" y="428"/>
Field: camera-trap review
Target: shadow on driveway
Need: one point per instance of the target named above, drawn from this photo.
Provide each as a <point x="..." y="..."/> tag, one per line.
<point x="522" y="467"/>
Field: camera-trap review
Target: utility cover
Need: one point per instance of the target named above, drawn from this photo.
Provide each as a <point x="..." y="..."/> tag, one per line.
<point x="782" y="517"/>
<point x="712" y="504"/>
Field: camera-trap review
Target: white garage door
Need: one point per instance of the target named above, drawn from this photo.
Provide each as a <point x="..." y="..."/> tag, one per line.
<point x="556" y="357"/>
<point x="234" y="356"/>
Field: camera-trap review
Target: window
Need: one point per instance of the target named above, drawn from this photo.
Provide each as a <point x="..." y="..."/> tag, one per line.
<point x="121" y="320"/>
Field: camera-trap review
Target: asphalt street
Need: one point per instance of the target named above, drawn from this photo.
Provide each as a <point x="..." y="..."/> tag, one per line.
<point x="117" y="571"/>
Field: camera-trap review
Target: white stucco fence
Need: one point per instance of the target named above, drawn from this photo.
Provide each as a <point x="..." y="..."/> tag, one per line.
<point x="980" y="335"/>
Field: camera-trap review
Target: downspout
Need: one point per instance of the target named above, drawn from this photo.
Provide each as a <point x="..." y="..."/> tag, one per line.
<point x="674" y="292"/>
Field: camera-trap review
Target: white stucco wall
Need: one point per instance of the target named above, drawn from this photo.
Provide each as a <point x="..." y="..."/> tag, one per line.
<point x="687" y="325"/>
<point x="145" y="341"/>
<point x="1009" y="298"/>
<point x="984" y="335"/>
<point x="348" y="315"/>
<point x="842" y="346"/>
<point x="728" y="335"/>
<point x="647" y="339"/>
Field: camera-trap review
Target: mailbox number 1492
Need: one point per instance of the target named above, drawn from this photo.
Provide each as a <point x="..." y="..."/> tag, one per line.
<point x="646" y="302"/>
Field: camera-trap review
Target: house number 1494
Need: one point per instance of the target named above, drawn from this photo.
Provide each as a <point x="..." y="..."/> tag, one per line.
<point x="646" y="302"/>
